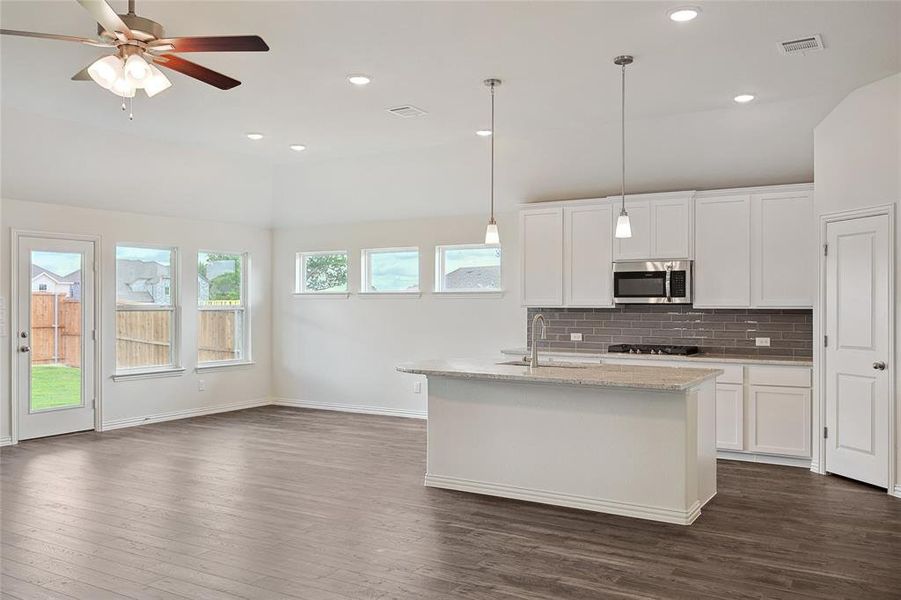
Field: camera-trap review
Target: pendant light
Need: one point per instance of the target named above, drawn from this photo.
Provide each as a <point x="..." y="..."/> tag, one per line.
<point x="623" y="226"/>
<point x="491" y="234"/>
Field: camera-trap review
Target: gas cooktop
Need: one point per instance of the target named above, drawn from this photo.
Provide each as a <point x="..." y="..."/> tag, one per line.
<point x="653" y="349"/>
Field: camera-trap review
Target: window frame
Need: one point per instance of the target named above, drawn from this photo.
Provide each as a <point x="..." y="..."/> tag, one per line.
<point x="174" y="307"/>
<point x="300" y="271"/>
<point x="440" y="273"/>
<point x="366" y="271"/>
<point x="246" y="357"/>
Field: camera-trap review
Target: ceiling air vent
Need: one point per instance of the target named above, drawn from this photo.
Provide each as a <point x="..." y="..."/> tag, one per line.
<point x="406" y="111"/>
<point x="813" y="43"/>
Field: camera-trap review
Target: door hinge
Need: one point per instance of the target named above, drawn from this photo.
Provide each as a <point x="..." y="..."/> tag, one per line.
<point x="825" y="341"/>
<point x="825" y="249"/>
<point x="94" y="335"/>
<point x="825" y="433"/>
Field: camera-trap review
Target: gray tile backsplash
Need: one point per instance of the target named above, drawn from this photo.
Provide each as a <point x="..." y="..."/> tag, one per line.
<point x="716" y="331"/>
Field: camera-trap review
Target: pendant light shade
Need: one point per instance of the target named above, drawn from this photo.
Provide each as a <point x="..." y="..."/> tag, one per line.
<point x="623" y="225"/>
<point x="491" y="233"/>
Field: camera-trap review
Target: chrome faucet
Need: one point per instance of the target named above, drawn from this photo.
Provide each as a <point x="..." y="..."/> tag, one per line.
<point x="533" y="361"/>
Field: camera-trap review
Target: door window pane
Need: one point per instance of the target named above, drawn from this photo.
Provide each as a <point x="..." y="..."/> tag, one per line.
<point x="55" y="336"/>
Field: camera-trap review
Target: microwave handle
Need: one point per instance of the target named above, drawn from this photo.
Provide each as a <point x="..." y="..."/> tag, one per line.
<point x="669" y="294"/>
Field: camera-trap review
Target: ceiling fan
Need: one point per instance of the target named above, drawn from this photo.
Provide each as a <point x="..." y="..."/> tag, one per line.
<point x="140" y="45"/>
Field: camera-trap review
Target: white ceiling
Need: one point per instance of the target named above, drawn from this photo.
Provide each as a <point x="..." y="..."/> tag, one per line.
<point x="558" y="109"/>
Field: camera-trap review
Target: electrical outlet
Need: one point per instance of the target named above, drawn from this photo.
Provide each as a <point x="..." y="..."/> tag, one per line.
<point x="575" y="337"/>
<point x="417" y="387"/>
<point x="761" y="341"/>
<point x="201" y="385"/>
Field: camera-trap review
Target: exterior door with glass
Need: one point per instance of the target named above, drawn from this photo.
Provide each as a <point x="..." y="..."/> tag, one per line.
<point x="54" y="349"/>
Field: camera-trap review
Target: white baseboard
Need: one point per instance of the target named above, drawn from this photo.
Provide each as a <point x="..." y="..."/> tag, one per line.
<point x="785" y="461"/>
<point x="183" y="414"/>
<point x="897" y="492"/>
<point x="625" y="509"/>
<point x="6" y="441"/>
<point x="352" y="408"/>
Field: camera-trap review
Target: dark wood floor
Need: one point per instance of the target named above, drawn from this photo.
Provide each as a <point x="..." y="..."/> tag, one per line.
<point x="284" y="503"/>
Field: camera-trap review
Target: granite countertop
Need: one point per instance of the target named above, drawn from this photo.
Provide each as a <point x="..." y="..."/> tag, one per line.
<point x="669" y="379"/>
<point x="702" y="357"/>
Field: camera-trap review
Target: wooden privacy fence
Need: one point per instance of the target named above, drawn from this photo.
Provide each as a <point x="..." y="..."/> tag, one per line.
<point x="55" y="329"/>
<point x="142" y="337"/>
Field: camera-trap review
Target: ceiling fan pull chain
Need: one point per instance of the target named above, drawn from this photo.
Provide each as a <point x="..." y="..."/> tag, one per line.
<point x="123" y="103"/>
<point x="131" y="109"/>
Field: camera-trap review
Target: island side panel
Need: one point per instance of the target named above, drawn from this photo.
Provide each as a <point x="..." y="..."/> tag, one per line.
<point x="706" y="453"/>
<point x="629" y="452"/>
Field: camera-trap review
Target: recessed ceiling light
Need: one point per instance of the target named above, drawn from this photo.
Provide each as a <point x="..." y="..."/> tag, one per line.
<point x="483" y="132"/>
<point x="683" y="14"/>
<point x="255" y="136"/>
<point x="297" y="147"/>
<point x="359" y="79"/>
<point x="744" y="98"/>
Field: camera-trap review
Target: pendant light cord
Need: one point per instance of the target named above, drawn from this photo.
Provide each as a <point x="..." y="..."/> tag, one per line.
<point x="492" y="154"/>
<point x="623" y="133"/>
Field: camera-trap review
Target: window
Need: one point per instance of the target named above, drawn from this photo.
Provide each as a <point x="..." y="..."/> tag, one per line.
<point x="390" y="270"/>
<point x="321" y="273"/>
<point x="146" y="323"/>
<point x="468" y="268"/>
<point x="222" y="304"/>
<point x="42" y="287"/>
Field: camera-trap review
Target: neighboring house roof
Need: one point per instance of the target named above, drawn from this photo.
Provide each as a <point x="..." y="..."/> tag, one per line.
<point x="37" y="271"/>
<point x="73" y="277"/>
<point x="129" y="271"/>
<point x="471" y="278"/>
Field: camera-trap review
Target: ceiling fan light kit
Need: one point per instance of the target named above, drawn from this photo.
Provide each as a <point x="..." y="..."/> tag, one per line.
<point x="139" y="43"/>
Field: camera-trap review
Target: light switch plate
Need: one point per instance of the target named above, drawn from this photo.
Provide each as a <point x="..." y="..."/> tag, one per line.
<point x="762" y="341"/>
<point x="417" y="387"/>
<point x="575" y="337"/>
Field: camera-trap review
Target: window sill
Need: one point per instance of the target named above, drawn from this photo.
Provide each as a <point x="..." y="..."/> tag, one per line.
<point x="223" y="366"/>
<point x="390" y="294"/>
<point x="470" y="294"/>
<point x="148" y="374"/>
<point x="323" y="294"/>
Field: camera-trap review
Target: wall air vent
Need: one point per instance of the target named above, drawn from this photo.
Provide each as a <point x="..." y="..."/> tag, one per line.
<point x="407" y="111"/>
<point x="813" y="43"/>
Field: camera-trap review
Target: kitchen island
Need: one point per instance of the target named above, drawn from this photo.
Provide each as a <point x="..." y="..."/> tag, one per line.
<point x="637" y="441"/>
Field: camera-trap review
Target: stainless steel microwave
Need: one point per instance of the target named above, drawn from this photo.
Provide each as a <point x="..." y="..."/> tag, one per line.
<point x="652" y="282"/>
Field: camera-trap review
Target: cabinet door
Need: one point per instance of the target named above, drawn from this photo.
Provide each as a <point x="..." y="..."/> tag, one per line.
<point x="671" y="228"/>
<point x="541" y="235"/>
<point x="588" y="255"/>
<point x="722" y="277"/>
<point x="637" y="247"/>
<point x="783" y="259"/>
<point x="730" y="407"/>
<point x="779" y="420"/>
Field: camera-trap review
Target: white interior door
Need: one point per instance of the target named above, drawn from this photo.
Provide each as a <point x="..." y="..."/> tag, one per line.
<point x="858" y="281"/>
<point x="54" y="350"/>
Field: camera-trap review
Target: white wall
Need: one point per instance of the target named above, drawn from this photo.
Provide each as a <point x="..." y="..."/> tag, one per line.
<point x="857" y="163"/>
<point x="329" y="351"/>
<point x="129" y="401"/>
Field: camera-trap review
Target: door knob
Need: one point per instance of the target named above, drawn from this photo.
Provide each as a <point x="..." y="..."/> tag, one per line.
<point x="24" y="348"/>
<point x="879" y="365"/>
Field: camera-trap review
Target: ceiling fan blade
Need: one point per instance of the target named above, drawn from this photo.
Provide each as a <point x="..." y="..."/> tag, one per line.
<point x="218" y="43"/>
<point x="186" y="67"/>
<point x="55" y="36"/>
<point x="82" y="75"/>
<point x="104" y="14"/>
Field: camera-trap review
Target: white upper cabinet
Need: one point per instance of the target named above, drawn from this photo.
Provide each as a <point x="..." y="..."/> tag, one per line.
<point x="783" y="249"/>
<point x="588" y="255"/>
<point x="541" y="239"/>
<point x="722" y="274"/>
<point x="661" y="227"/>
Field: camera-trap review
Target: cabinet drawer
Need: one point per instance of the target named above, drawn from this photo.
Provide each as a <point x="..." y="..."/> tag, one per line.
<point x="731" y="373"/>
<point x="782" y="376"/>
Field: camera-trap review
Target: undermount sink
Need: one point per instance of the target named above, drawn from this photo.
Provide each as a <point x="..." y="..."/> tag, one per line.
<point x="562" y="365"/>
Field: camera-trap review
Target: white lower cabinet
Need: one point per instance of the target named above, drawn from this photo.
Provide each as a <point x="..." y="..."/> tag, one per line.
<point x="779" y="420"/>
<point x="730" y="419"/>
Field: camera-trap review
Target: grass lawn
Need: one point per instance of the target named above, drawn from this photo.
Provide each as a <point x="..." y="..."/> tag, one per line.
<point x="53" y="386"/>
